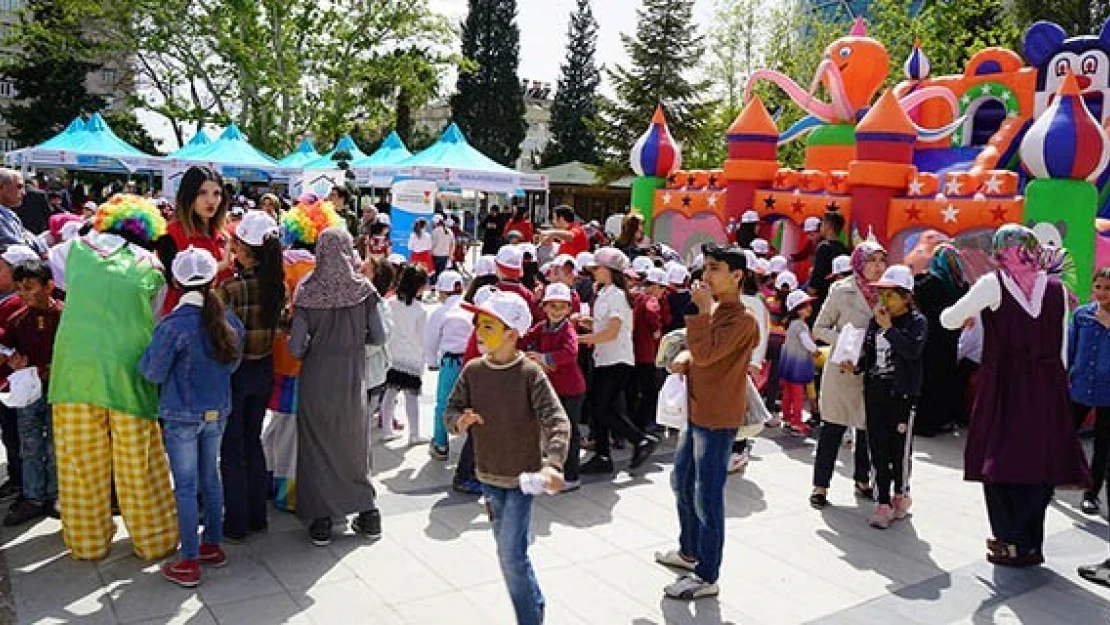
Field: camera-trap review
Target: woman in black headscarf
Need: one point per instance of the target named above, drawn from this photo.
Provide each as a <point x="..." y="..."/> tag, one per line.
<point x="942" y="398"/>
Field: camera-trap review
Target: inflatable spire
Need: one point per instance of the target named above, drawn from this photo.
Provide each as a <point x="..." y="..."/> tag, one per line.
<point x="917" y="65"/>
<point x="656" y="153"/>
<point x="1066" y="142"/>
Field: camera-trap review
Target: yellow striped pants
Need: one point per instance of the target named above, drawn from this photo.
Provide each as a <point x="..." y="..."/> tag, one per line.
<point x="94" y="444"/>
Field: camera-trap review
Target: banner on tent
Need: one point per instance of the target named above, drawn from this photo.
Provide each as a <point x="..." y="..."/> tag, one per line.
<point x="318" y="181"/>
<point x="412" y="199"/>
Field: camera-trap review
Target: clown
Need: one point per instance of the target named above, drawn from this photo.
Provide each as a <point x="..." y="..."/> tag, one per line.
<point x="1021" y="441"/>
<point x="105" y="413"/>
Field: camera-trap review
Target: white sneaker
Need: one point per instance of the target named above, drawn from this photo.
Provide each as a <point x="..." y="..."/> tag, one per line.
<point x="690" y="587"/>
<point x="674" y="559"/>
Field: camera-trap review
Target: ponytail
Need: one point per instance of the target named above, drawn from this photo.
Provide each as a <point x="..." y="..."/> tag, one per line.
<point x="269" y="270"/>
<point x="619" y="280"/>
<point x="221" y="336"/>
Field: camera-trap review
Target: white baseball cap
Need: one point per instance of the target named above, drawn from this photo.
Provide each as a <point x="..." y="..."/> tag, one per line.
<point x="760" y="246"/>
<point x="797" y="298"/>
<point x="787" y="279"/>
<point x="656" y="275"/>
<point x="642" y="264"/>
<point x="699" y="262"/>
<point x="677" y="274"/>
<point x="777" y="264"/>
<point x="16" y="254"/>
<point x="841" y="264"/>
<point x="896" y="276"/>
<point x="509" y="307"/>
<point x="383" y="218"/>
<point x="437" y="218"/>
<point x="396" y="259"/>
<point x="609" y="257"/>
<point x="254" y="227"/>
<point x="510" y="260"/>
<point x="749" y="217"/>
<point x="584" y="260"/>
<point x="194" y="267"/>
<point x="448" y="281"/>
<point x="485" y="266"/>
<point x="70" y="230"/>
<point x="563" y="260"/>
<point x="762" y="266"/>
<point x="529" y="249"/>
<point x="484" y="293"/>
<point x="556" y="292"/>
<point x="24" y="388"/>
<point x="811" y="224"/>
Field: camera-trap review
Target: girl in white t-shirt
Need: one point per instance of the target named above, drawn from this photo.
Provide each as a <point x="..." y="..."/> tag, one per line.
<point x="614" y="363"/>
<point x="420" y="246"/>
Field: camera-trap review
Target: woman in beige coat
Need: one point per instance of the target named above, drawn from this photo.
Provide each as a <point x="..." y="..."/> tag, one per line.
<point x="850" y="300"/>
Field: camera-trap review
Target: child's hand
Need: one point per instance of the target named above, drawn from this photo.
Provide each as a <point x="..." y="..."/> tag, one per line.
<point x="882" y="317"/>
<point x="468" y="418"/>
<point x="17" y="361"/>
<point x="703" y="297"/>
<point x="554" y="480"/>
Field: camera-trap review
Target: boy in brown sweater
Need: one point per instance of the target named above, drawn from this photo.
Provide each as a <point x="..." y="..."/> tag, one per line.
<point x="519" y="431"/>
<point x="721" y="338"/>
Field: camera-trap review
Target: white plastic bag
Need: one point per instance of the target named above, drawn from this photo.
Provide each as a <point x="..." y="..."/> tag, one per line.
<point x="849" y="344"/>
<point x="673" y="408"/>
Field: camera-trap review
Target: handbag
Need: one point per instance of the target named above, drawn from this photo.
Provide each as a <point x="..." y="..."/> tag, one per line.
<point x="673" y="409"/>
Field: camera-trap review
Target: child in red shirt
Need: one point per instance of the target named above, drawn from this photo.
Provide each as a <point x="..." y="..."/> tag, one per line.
<point x="649" y="316"/>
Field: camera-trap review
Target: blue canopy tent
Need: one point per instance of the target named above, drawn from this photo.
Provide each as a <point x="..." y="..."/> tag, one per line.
<point x="88" y="146"/>
<point x="304" y="154"/>
<point x="234" y="157"/>
<point x="194" y="145"/>
<point x="64" y="137"/>
<point x="328" y="161"/>
<point x="391" y="152"/>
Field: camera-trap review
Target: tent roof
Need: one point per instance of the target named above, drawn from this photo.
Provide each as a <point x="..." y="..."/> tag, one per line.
<point x="391" y="152"/>
<point x="453" y="152"/>
<point x="93" y="137"/>
<point x="577" y="173"/>
<point x="305" y="153"/>
<point x="345" y="143"/>
<point x="65" y="137"/>
<point x="198" y="141"/>
<point x="232" y="149"/>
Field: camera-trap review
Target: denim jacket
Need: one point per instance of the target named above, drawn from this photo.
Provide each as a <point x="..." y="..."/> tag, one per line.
<point x="178" y="359"/>
<point x="1089" y="358"/>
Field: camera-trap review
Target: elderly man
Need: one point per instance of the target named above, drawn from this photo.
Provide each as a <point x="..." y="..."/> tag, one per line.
<point x="12" y="229"/>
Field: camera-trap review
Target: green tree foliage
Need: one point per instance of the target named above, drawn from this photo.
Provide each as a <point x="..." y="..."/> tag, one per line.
<point x="1078" y="17"/>
<point x="488" y="103"/>
<point x="52" y="58"/>
<point x="128" y="127"/>
<point x="576" y="94"/>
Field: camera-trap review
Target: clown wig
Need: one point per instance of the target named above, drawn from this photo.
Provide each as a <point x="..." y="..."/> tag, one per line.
<point x="132" y="217"/>
<point x="301" y="225"/>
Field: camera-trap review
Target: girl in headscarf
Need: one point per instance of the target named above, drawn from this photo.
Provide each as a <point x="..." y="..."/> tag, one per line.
<point x="1021" y="441"/>
<point x="851" y="300"/>
<point x="941" y="401"/>
<point x="335" y="316"/>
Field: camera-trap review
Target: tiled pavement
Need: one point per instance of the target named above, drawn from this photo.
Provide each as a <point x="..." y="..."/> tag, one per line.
<point x="784" y="562"/>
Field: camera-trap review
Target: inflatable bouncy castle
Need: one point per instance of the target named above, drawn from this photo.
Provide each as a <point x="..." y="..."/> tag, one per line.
<point x="1011" y="140"/>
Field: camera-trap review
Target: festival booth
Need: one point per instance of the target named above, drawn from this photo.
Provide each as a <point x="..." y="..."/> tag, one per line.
<point x="231" y="155"/>
<point x="304" y="154"/>
<point x="373" y="170"/>
<point x="85" y="146"/>
<point x="196" y="144"/>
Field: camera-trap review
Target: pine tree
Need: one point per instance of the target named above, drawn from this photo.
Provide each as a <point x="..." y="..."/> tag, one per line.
<point x="667" y="48"/>
<point x="488" y="104"/>
<point x="48" y="69"/>
<point x="576" y="95"/>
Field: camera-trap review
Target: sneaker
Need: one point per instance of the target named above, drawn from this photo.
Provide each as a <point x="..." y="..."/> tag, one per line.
<point x="212" y="555"/>
<point x="643" y="451"/>
<point x="674" y="559"/>
<point x="569" y="486"/>
<point x="596" y="466"/>
<point x="691" y="587"/>
<point x="819" y="501"/>
<point x="901" y="506"/>
<point x="882" y="517"/>
<point x="738" y="462"/>
<point x="320" y="532"/>
<point x="799" y="429"/>
<point x="1097" y="573"/>
<point x="184" y="573"/>
<point x="437" y="452"/>
<point x="468" y="487"/>
<point x="368" y="524"/>
<point x="1090" y="504"/>
<point x="9" y="489"/>
<point x="22" y="511"/>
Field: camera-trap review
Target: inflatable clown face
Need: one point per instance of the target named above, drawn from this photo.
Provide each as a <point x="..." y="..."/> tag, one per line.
<point x="1048" y="48"/>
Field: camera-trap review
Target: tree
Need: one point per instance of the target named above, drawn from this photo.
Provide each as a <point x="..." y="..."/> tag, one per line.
<point x="128" y="127"/>
<point x="576" y="94"/>
<point x="488" y="104"/>
<point x="51" y="60"/>
<point x="664" y="52"/>
<point x="1078" y="17"/>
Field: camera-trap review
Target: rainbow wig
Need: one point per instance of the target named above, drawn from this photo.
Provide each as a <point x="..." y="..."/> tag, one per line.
<point x="132" y="217"/>
<point x="306" y="220"/>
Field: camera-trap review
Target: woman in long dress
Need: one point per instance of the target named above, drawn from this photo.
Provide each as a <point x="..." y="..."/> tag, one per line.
<point x="335" y="316"/>
<point x="941" y="401"/>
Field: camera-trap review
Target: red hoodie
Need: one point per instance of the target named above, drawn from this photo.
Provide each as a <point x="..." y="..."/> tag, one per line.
<point x="559" y="346"/>
<point x="648" y="319"/>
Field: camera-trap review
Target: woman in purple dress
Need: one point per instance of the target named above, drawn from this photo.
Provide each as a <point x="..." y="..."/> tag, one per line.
<point x="1021" y="442"/>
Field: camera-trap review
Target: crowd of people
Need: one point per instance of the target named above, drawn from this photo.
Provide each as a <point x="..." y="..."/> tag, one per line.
<point x="198" y="372"/>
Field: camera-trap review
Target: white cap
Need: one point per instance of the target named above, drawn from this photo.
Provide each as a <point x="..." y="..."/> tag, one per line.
<point x="437" y="218"/>
<point x="448" y="281"/>
<point x="584" y="260"/>
<point x="841" y="264"/>
<point x="796" y="299"/>
<point x="896" y="276"/>
<point x="254" y="227"/>
<point x="642" y="264"/>
<point x="24" y="388"/>
<point x="484" y="293"/>
<point x="762" y="266"/>
<point x="777" y="264"/>
<point x="396" y="259"/>
<point x="194" y="267"/>
<point x="749" y="217"/>
<point x="787" y="279"/>
<point x="383" y="218"/>
<point x="509" y="307"/>
<point x="656" y="275"/>
<point x="565" y="259"/>
<point x="611" y="258"/>
<point x="556" y="292"/>
<point x="699" y="262"/>
<point x="70" y="230"/>
<point x="89" y="205"/>
<point x="811" y="224"/>
<point x="677" y="274"/>
<point x="485" y="266"/>
<point x="760" y="246"/>
<point x="510" y="260"/>
<point x="16" y="254"/>
<point x="529" y="249"/>
<point x="750" y="258"/>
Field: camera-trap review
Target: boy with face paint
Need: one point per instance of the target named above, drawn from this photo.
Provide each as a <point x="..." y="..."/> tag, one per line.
<point x="510" y="409"/>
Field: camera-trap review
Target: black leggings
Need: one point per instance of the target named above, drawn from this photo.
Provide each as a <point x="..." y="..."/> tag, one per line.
<point x="607" y="407"/>
<point x="1100" y="460"/>
<point x="890" y="449"/>
<point x="828" y="448"/>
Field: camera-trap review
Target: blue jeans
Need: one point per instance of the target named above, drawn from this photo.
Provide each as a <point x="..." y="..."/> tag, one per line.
<point x="36" y="446"/>
<point x="698" y="481"/>
<point x="511" y="512"/>
<point x="194" y="453"/>
<point x="449" y="368"/>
